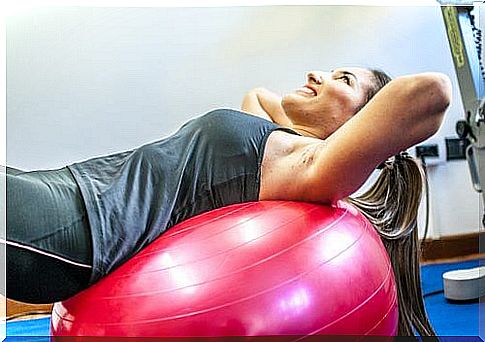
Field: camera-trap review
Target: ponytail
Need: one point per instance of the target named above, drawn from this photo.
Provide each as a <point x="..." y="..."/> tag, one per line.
<point x="391" y="205"/>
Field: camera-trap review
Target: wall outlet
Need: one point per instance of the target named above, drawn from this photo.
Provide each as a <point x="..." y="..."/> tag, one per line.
<point x="427" y="151"/>
<point x="456" y="148"/>
<point x="433" y="151"/>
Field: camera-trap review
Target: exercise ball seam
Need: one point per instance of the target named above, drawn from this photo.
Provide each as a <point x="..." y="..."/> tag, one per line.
<point x="139" y="256"/>
<point x="391" y="306"/>
<point x="259" y="262"/>
<point x="358" y="306"/>
<point x="169" y="233"/>
<point x="227" y="304"/>
<point x="216" y="254"/>
<point x="175" y="317"/>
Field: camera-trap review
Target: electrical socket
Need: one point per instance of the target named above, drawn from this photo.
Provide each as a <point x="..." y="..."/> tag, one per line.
<point x="433" y="150"/>
<point x="427" y="151"/>
<point x="456" y="148"/>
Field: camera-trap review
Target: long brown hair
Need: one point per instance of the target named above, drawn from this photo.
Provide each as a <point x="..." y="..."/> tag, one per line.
<point x="391" y="204"/>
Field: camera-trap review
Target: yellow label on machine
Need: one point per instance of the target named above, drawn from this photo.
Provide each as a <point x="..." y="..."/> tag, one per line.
<point x="454" y="36"/>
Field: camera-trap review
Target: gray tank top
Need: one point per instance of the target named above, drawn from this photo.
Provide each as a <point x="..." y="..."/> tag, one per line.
<point x="133" y="196"/>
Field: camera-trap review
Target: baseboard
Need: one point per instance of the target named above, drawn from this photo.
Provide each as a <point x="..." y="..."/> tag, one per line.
<point x="453" y="246"/>
<point x="18" y="309"/>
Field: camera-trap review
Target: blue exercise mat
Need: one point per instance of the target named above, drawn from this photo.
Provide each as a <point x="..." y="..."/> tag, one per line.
<point x="448" y="318"/>
<point x="31" y="327"/>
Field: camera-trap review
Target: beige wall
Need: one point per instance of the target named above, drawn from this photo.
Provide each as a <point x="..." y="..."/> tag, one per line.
<point x="89" y="81"/>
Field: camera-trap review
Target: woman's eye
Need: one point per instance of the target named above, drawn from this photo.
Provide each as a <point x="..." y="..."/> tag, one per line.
<point x="346" y="79"/>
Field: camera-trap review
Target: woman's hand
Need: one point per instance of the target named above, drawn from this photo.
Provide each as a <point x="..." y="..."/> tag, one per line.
<point x="266" y="104"/>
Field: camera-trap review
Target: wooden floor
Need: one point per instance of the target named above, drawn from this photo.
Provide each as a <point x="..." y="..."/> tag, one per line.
<point x="20" y="311"/>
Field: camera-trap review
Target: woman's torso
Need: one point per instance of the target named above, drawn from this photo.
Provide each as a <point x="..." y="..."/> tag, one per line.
<point x="212" y="161"/>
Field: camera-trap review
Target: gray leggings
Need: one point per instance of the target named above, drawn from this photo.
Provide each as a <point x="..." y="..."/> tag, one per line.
<point x="48" y="239"/>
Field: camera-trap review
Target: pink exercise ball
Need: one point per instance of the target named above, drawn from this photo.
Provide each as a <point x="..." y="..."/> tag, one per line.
<point x="251" y="269"/>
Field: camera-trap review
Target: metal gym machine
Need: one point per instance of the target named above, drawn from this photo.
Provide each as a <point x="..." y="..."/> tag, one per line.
<point x="465" y="40"/>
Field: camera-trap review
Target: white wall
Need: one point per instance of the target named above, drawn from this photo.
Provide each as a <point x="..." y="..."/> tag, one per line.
<point x="90" y="81"/>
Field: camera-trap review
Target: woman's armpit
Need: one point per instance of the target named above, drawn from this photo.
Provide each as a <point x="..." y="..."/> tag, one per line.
<point x="286" y="166"/>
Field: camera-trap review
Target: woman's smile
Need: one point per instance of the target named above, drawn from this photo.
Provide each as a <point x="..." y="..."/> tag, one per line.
<point x="307" y="90"/>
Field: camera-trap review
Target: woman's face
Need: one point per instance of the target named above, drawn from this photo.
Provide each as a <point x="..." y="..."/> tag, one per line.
<point x="328" y="99"/>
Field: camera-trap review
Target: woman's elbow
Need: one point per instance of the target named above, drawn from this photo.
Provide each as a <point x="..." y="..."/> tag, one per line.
<point x="434" y="91"/>
<point x="441" y="94"/>
<point x="440" y="87"/>
<point x="431" y="95"/>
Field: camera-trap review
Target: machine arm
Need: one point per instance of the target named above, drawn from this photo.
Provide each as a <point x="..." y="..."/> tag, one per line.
<point x="465" y="42"/>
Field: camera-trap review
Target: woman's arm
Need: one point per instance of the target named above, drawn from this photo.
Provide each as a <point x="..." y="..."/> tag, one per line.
<point x="266" y="104"/>
<point x="405" y="112"/>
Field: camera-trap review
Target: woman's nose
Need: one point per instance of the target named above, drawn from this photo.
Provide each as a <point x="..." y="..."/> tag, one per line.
<point x="315" y="77"/>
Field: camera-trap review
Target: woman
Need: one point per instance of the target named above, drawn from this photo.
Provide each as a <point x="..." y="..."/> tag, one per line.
<point x="72" y="226"/>
<point x="392" y="203"/>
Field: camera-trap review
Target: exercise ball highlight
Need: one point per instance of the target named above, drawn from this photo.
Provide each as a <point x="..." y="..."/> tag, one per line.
<point x="251" y="269"/>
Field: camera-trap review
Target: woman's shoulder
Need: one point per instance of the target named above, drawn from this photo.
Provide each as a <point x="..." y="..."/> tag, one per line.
<point x="234" y="113"/>
<point x="232" y="121"/>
